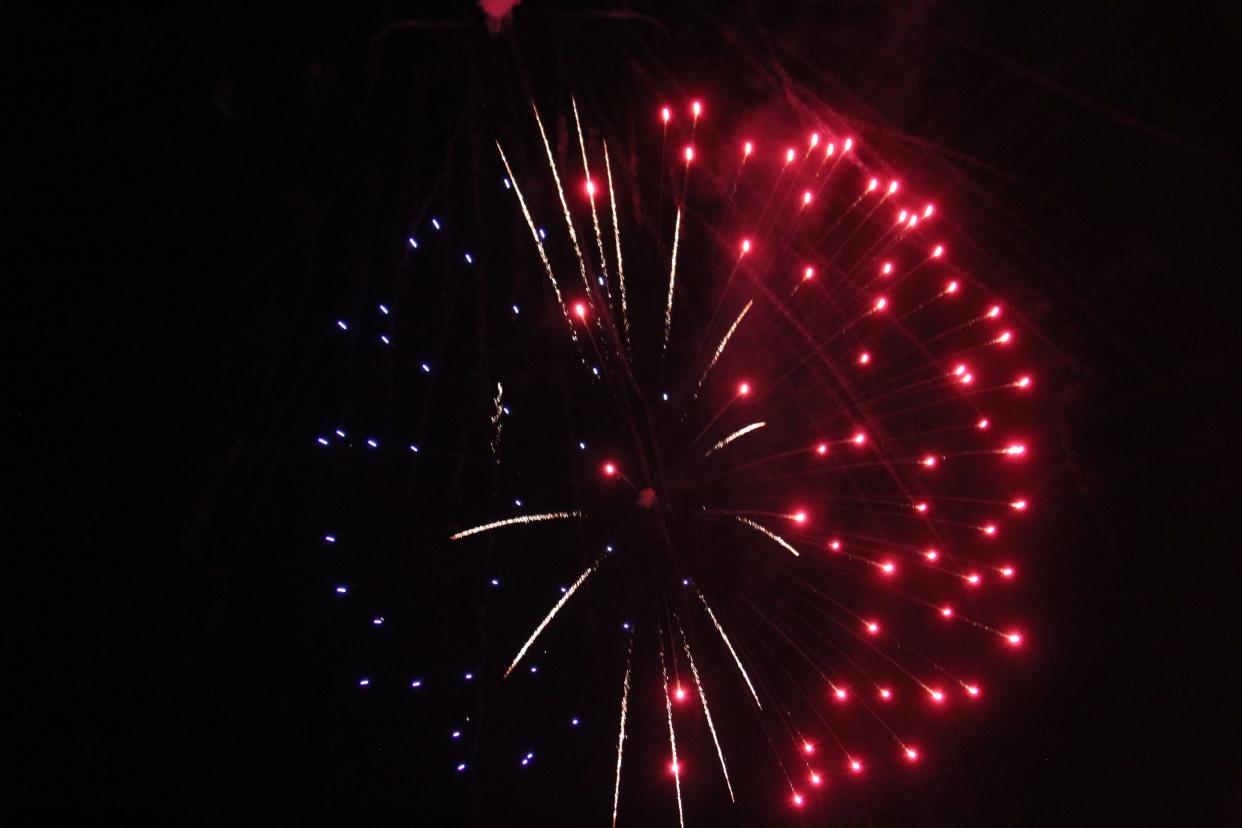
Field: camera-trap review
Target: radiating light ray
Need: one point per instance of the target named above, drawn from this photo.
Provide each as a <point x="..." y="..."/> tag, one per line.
<point x="766" y="531"/>
<point x="739" y="433"/>
<point x="586" y="166"/>
<point x="707" y="713"/>
<point x="560" y="191"/>
<point x="672" y="739"/>
<point x="729" y="644"/>
<point x="672" y="281"/>
<point x="625" y="701"/>
<point x="515" y="521"/>
<point x="616" y="234"/>
<point x="721" y="347"/>
<point x="534" y="232"/>
<point x="569" y="593"/>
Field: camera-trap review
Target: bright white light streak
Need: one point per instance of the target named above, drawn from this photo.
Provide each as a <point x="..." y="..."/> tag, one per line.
<point x="599" y="237"/>
<point x="739" y="433"/>
<point x="765" y="530"/>
<point x="552" y="614"/>
<point x="720" y="348"/>
<point x="732" y="652"/>
<point x="616" y="234"/>
<point x="543" y="255"/>
<point x="708" y="714"/>
<point x="672" y="280"/>
<point x="672" y="740"/>
<point x="560" y="191"/>
<point x="521" y="519"/>
<point x="625" y="702"/>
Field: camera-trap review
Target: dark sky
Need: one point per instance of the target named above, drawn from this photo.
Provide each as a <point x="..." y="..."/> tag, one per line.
<point x="215" y="182"/>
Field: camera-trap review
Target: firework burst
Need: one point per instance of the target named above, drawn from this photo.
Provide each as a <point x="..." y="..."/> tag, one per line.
<point x="792" y="456"/>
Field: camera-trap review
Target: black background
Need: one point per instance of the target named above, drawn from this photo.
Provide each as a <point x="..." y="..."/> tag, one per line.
<point x="209" y="185"/>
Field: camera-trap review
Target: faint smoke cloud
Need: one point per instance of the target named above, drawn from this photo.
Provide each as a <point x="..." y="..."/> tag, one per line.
<point x="499" y="13"/>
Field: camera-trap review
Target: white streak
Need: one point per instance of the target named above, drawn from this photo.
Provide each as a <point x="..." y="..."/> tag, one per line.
<point x="739" y="433"/>
<point x="599" y="238"/>
<point x="720" y="348"/>
<point x="487" y="527"/>
<point x="497" y="413"/>
<point x="560" y="191"/>
<point x="672" y="740"/>
<point x="767" y="532"/>
<point x="625" y="701"/>
<point x="534" y="232"/>
<point x="548" y="618"/>
<point x="616" y="233"/>
<point x="708" y="714"/>
<point x="672" y="281"/>
<point x="732" y="652"/>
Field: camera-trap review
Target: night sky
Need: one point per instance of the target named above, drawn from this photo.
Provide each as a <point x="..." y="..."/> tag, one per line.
<point x="214" y="185"/>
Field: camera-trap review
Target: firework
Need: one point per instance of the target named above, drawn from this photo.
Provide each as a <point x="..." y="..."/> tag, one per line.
<point x="819" y="315"/>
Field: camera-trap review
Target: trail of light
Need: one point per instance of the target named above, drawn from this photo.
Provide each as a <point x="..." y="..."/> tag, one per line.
<point x="552" y="614"/>
<point x="672" y="280"/>
<point x="739" y="433"/>
<point x="616" y="234"/>
<point x="560" y="191"/>
<point x="534" y="232"/>
<point x="521" y="519"/>
<point x="496" y="421"/>
<point x="672" y="739"/>
<point x="732" y="652"/>
<point x="720" y="348"/>
<point x="625" y="701"/>
<point x="767" y="532"/>
<point x="708" y="714"/>
<point x="599" y="238"/>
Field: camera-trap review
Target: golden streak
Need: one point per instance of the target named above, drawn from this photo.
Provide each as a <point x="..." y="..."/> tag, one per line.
<point x="732" y="652"/>
<point x="599" y="238"/>
<point x="672" y="739"/>
<point x="672" y="281"/>
<point x="523" y="519"/>
<point x="708" y="714"/>
<point x="625" y="701"/>
<point x="616" y="234"/>
<point x="534" y="232"/>
<point x="560" y="191"/>
<point x="739" y="433"/>
<point x="720" y="348"/>
<point x="767" y="532"/>
<point x="548" y="618"/>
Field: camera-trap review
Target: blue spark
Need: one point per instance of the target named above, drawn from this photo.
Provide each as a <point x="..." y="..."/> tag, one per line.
<point x="377" y="620"/>
<point x="426" y="368"/>
<point x="543" y="234"/>
<point x="329" y="538"/>
<point x="517" y="501"/>
<point x="461" y="768"/>
<point x="516" y="310"/>
<point x="371" y="442"/>
<point x="323" y="441"/>
<point x="469" y="259"/>
<point x="385" y="339"/>
<point x="342" y="590"/>
<point x="416" y="683"/>
<point x="574" y="721"/>
<point x="384" y="309"/>
<point x="582" y="445"/>
<point x="507" y="184"/>
<point x="413" y="242"/>
<point x="469" y="676"/>
<point x="413" y="448"/>
<point x="364" y="682"/>
<point x="436" y="223"/>
<point x="495" y="582"/>
<point x="456" y="734"/>
<point x="340" y="433"/>
<point x="340" y="323"/>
